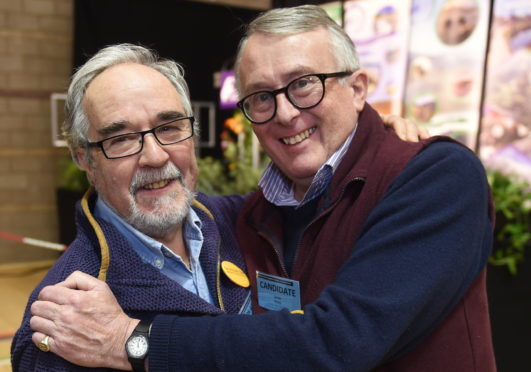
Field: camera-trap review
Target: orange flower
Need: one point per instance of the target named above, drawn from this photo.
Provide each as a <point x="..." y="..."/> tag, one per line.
<point x="234" y="125"/>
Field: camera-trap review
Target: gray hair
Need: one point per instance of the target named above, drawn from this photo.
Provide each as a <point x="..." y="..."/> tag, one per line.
<point x="304" y="18"/>
<point x="76" y="124"/>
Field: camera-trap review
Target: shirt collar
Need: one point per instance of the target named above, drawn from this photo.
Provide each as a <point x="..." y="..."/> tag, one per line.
<point x="148" y="248"/>
<point x="278" y="189"/>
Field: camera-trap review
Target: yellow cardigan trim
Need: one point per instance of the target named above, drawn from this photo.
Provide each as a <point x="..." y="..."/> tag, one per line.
<point x="104" y="248"/>
<point x="201" y="206"/>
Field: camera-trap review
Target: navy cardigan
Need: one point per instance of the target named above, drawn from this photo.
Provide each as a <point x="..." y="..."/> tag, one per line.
<point x="140" y="289"/>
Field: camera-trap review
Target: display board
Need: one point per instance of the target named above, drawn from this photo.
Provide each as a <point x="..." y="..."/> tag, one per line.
<point x="445" y="67"/>
<point x="505" y="140"/>
<point x="379" y="29"/>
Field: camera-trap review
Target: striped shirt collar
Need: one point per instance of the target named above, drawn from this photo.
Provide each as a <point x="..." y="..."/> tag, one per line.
<point x="278" y="189"/>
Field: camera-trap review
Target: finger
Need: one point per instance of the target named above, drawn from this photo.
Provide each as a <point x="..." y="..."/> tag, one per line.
<point x="81" y="280"/>
<point x="43" y="325"/>
<point x="390" y="120"/>
<point x="396" y="123"/>
<point x="74" y="280"/>
<point x="423" y="133"/>
<point x="45" y="309"/>
<point x="412" y="131"/>
<point x="38" y="337"/>
<point x="401" y="129"/>
<point x="58" y="294"/>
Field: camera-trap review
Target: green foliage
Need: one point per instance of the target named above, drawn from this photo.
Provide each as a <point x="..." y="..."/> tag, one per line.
<point x="218" y="178"/>
<point x="235" y="173"/>
<point x="71" y="177"/>
<point x="512" y="233"/>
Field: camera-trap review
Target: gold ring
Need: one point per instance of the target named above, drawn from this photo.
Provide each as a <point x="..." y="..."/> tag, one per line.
<point x="43" y="345"/>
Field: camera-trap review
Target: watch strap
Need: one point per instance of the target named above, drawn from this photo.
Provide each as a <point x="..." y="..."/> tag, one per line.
<point x="142" y="329"/>
<point x="138" y="364"/>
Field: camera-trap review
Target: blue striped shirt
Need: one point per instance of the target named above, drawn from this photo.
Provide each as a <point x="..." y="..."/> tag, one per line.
<point x="161" y="257"/>
<point x="279" y="189"/>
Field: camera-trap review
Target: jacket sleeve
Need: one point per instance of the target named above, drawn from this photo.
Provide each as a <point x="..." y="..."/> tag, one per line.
<point x="422" y="247"/>
<point x="25" y="356"/>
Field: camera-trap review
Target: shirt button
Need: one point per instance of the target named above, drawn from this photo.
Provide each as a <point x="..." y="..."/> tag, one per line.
<point x="159" y="263"/>
<point x="167" y="253"/>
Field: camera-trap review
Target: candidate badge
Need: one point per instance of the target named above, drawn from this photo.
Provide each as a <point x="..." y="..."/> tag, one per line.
<point x="276" y="293"/>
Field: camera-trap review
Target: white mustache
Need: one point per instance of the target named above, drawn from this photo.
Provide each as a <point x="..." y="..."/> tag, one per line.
<point x="146" y="176"/>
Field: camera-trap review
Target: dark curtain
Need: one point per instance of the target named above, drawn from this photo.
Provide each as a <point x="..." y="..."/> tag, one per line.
<point x="289" y="3"/>
<point x="202" y="37"/>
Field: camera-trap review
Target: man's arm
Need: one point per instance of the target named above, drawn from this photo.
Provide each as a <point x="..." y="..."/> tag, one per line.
<point x="422" y="247"/>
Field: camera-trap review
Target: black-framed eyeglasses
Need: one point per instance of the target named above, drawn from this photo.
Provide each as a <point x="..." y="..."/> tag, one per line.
<point x="168" y="133"/>
<point x="304" y="92"/>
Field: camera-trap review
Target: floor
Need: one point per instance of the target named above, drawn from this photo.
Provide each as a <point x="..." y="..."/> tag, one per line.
<point x="17" y="280"/>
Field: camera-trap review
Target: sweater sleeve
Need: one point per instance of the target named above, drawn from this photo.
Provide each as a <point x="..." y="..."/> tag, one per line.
<point x="422" y="247"/>
<point x="25" y="356"/>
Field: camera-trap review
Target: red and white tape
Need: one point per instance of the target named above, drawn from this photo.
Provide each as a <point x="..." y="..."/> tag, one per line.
<point x="33" y="242"/>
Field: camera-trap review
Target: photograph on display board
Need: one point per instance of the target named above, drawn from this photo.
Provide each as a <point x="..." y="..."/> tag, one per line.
<point x="505" y="140"/>
<point x="447" y="48"/>
<point x="380" y="28"/>
<point x="228" y="94"/>
<point x="334" y="11"/>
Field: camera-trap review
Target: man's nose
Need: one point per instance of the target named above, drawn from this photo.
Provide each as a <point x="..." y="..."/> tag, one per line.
<point x="153" y="154"/>
<point x="286" y="111"/>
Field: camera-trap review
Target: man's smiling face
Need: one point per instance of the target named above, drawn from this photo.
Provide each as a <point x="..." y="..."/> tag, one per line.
<point x="152" y="187"/>
<point x="300" y="141"/>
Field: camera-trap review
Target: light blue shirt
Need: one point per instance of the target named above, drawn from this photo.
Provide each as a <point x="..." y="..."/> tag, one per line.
<point x="279" y="189"/>
<point x="162" y="258"/>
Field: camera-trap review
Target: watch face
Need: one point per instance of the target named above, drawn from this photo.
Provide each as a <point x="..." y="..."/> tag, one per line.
<point x="137" y="346"/>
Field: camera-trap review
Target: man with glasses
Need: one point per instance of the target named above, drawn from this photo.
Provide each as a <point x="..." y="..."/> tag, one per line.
<point x="372" y="250"/>
<point x="144" y="231"/>
<point x="399" y="232"/>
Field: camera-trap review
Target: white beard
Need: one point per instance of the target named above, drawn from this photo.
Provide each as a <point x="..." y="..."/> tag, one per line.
<point x="165" y="214"/>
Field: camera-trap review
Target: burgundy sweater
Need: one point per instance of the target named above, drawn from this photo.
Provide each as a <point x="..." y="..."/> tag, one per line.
<point x="374" y="160"/>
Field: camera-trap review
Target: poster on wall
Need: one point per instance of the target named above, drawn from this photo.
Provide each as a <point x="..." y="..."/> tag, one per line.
<point x="448" y="40"/>
<point x="334" y="10"/>
<point x="505" y="140"/>
<point x="228" y="94"/>
<point x="379" y="29"/>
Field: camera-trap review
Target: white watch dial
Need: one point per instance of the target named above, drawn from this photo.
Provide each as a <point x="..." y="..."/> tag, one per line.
<point x="137" y="346"/>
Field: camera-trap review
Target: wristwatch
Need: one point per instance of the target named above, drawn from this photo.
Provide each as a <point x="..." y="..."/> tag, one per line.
<point x="137" y="346"/>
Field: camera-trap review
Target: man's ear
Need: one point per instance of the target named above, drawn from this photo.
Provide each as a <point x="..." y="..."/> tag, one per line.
<point x="359" y="81"/>
<point x="84" y="162"/>
<point x="82" y="159"/>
